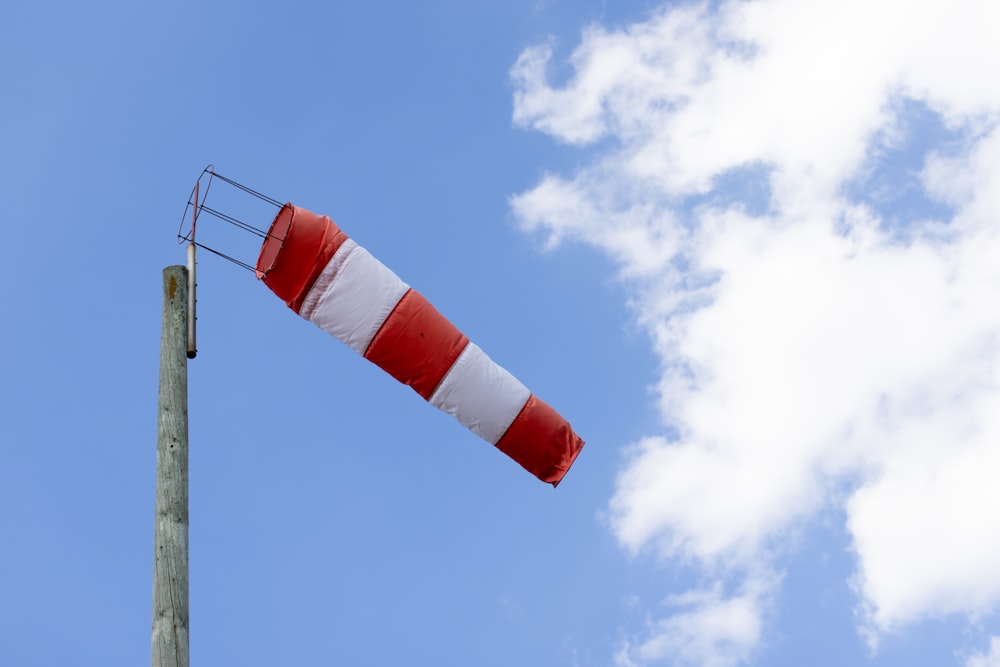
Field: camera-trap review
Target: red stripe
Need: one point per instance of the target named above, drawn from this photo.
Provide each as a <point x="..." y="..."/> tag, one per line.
<point x="416" y="344"/>
<point x="541" y="441"/>
<point x="298" y="247"/>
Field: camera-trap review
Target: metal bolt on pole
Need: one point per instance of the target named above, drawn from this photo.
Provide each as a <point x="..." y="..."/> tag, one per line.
<point x="170" y="645"/>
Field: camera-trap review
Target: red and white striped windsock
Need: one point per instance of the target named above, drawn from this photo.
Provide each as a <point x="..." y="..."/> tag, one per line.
<point x="330" y="280"/>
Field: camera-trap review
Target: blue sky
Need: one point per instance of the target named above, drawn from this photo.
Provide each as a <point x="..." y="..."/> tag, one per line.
<point x="747" y="249"/>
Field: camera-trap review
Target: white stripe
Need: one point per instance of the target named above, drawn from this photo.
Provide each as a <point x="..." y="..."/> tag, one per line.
<point x="482" y="395"/>
<point x="360" y="294"/>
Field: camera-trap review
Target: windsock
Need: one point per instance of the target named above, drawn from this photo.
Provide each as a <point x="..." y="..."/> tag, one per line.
<point x="328" y="279"/>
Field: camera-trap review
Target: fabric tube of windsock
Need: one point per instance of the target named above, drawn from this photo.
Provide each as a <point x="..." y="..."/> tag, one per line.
<point x="330" y="280"/>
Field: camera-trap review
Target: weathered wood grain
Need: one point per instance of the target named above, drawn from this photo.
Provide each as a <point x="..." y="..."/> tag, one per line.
<point x="170" y="644"/>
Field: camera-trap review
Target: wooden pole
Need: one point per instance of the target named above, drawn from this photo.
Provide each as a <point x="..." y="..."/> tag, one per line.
<point x="170" y="646"/>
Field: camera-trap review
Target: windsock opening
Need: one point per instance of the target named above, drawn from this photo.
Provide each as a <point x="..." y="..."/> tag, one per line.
<point x="275" y="238"/>
<point x="298" y="246"/>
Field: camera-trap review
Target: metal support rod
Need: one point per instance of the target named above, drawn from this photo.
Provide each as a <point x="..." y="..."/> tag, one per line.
<point x="170" y="645"/>
<point x="192" y="314"/>
<point x="192" y="317"/>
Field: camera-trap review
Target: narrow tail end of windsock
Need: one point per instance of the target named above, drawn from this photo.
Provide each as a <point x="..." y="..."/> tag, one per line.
<point x="542" y="441"/>
<point x="576" y="449"/>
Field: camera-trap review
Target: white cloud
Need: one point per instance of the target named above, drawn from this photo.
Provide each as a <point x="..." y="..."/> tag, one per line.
<point x="709" y="630"/>
<point x="806" y="344"/>
<point x="990" y="659"/>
